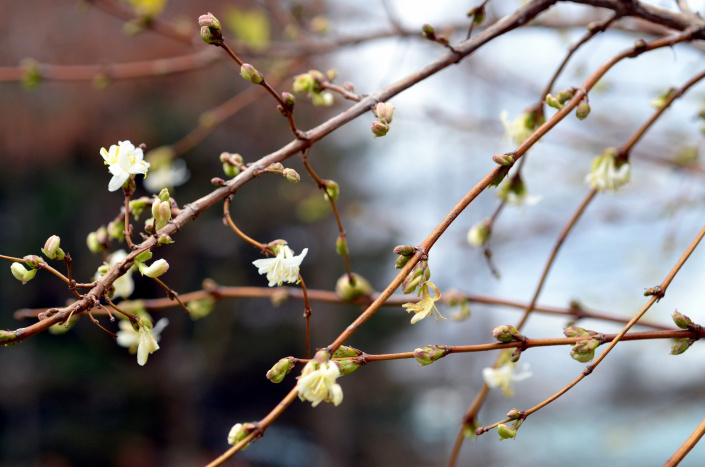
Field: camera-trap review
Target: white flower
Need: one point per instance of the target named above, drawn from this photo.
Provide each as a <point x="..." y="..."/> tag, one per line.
<point x="282" y="268"/>
<point x="504" y="376"/>
<point x="605" y="175"/>
<point x="168" y="175"/>
<point x="123" y="160"/>
<point x="517" y="131"/>
<point x="317" y="382"/>
<point x="144" y="341"/>
<point x="514" y="192"/>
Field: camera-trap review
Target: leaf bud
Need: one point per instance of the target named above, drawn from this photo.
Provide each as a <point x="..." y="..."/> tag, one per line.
<point x="404" y="250"/>
<point x="289" y="100"/>
<point x="575" y="331"/>
<point x="552" y="101"/>
<point x="428" y="32"/>
<point x="22" y="274"/>
<point x="583" y="110"/>
<point x="201" y="307"/>
<point x="514" y="414"/>
<point x="506" y="333"/>
<point x="401" y="262"/>
<point x="33" y="261"/>
<point x="332" y="189"/>
<point x="346" y="366"/>
<point x="341" y="245"/>
<point x="346" y="351"/>
<point x="505" y="432"/>
<point x="681" y="345"/>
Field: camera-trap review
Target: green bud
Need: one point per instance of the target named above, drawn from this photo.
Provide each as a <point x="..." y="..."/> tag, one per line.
<point x="51" y="248"/>
<point x="94" y="245"/>
<point x="33" y="261"/>
<point x="7" y="335"/>
<point x="681" y="345"/>
<point x="565" y="95"/>
<point x="144" y="256"/>
<point x="32" y="76"/>
<point x="347" y="366"/>
<point x="516" y="355"/>
<point x="331" y="73"/>
<point x="348" y="86"/>
<point x="209" y="21"/>
<point x="303" y="83"/>
<point x="411" y="282"/>
<point x="289" y="100"/>
<point x="681" y="320"/>
<point x="210" y="36"/>
<point x="404" y="250"/>
<point x="291" y="175"/>
<point x="583" y="110"/>
<point x="429" y="354"/>
<point x="469" y="429"/>
<point x="332" y="189"/>
<point x="428" y="32"/>
<point x="22" y="274"/>
<point x="552" y="101"/>
<point x="199" y="309"/>
<point x="506" y="333"/>
<point x="505" y="432"/>
<point x="350" y="290"/>
<point x="514" y="414"/>
<point x="401" y="261"/>
<point x="652" y="291"/>
<point x="346" y="351"/>
<point x="248" y="72"/>
<point x="116" y="230"/>
<point x="384" y="112"/>
<point x="230" y="170"/>
<point x="239" y="432"/>
<point x="584" y="351"/>
<point x="479" y="233"/>
<point x="341" y="245"/>
<point x="575" y="331"/>
<point x="137" y="206"/>
<point x="503" y="159"/>
<point x="280" y="369"/>
<point x="322" y="99"/>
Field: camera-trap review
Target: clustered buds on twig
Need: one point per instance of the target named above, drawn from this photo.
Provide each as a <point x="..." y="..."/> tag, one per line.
<point x="683" y="322"/>
<point x="430" y="353"/>
<point x="383" y="111"/>
<point x="312" y="83"/>
<point x="507" y="333"/>
<point x="210" y="29"/>
<point x="584" y="350"/>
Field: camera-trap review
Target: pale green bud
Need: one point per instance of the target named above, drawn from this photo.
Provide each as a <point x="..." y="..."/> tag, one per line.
<point x="384" y="111"/>
<point x="155" y="270"/>
<point x="681" y="320"/>
<point x="681" y="345"/>
<point x="347" y="366"/>
<point x="94" y="245"/>
<point x="289" y="100"/>
<point x="341" y="245"/>
<point x="303" y="83"/>
<point x="379" y="128"/>
<point x="116" y="230"/>
<point x="404" y="250"/>
<point x="346" y="351"/>
<point x="248" y="72"/>
<point x="280" y="369"/>
<point x="291" y="175"/>
<point x="350" y="290"/>
<point x="239" y="432"/>
<point x="583" y="110"/>
<point x="138" y="205"/>
<point x="401" y="261"/>
<point x="200" y="308"/>
<point x="51" y="248"/>
<point x="479" y="233"/>
<point x="33" y="261"/>
<point x="503" y="159"/>
<point x="583" y="351"/>
<point x="322" y="99"/>
<point x="144" y="256"/>
<point x="429" y="354"/>
<point x="552" y="101"/>
<point x="514" y="414"/>
<point x="209" y="20"/>
<point x="575" y="331"/>
<point x="22" y="274"/>
<point x="332" y="189"/>
<point x="506" y="333"/>
<point x="505" y="432"/>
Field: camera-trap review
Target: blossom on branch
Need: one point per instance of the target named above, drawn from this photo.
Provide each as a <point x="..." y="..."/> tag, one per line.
<point x="144" y="340"/>
<point x="504" y="376"/>
<point x="282" y="268"/>
<point x="317" y="381"/>
<point x="605" y="175"/>
<point x="123" y="160"/>
<point x="427" y="304"/>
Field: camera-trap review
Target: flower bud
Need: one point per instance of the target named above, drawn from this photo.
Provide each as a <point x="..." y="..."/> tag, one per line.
<point x="503" y="159"/>
<point x="575" y="331"/>
<point x="164" y="239"/>
<point x="211" y="36"/>
<point x="144" y="256"/>
<point x="155" y="209"/>
<point x="347" y="366"/>
<point x="516" y="355"/>
<point x="428" y="32"/>
<point x="479" y="233"/>
<point x="331" y="73"/>
<point x="291" y="175"/>
<point x="348" y="86"/>
<point x="681" y="320"/>
<point x="332" y="189"/>
<point x="583" y="110"/>
<point x="239" y="432"/>
<point x="51" y="248"/>
<point x="303" y="83"/>
<point x="248" y="72"/>
<point x="280" y="369"/>
<point x="94" y="245"/>
<point x="33" y="261"/>
<point x="384" y="112"/>
<point x="412" y="281"/>
<point x="350" y="290"/>
<point x="404" y="250"/>
<point x="346" y="351"/>
<point x="22" y="274"/>
<point x="230" y="170"/>
<point x="341" y="245"/>
<point x="401" y="262"/>
<point x="156" y="269"/>
<point x="681" y="345"/>
<point x="652" y="291"/>
<point x="289" y="100"/>
<point x="379" y="128"/>
<point x="116" y="230"/>
<point x="514" y="414"/>
<point x="201" y="308"/>
<point x="565" y="95"/>
<point x="584" y="351"/>
<point x="505" y="432"/>
<point x="209" y="20"/>
<point x="429" y="354"/>
<point x="165" y="210"/>
<point x="322" y="99"/>
<point x="552" y="101"/>
<point x="506" y="333"/>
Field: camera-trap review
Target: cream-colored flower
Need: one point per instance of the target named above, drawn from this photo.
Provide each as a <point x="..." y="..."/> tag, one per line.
<point x="123" y="160"/>
<point x="317" y="381"/>
<point x="604" y="174"/>
<point x="169" y="174"/>
<point x="504" y="376"/>
<point x="142" y="342"/>
<point x="282" y="268"/>
<point x="479" y="233"/>
<point x="518" y="130"/>
<point x="427" y="304"/>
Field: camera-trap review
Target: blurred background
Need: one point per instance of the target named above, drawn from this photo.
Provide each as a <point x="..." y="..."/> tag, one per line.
<point x="79" y="399"/>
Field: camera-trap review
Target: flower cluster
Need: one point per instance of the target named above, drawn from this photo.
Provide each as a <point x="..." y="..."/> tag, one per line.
<point x="282" y="268"/>
<point x="312" y="83"/>
<point x="140" y="337"/>
<point x="608" y="174"/>
<point x="522" y="127"/>
<point x="317" y="381"/>
<point x="123" y="160"/>
<point x="383" y="111"/>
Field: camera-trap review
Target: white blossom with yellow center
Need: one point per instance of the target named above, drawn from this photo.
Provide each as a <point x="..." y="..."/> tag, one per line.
<point x="123" y="160"/>
<point x="282" y="268"/>
<point x="504" y="377"/>
<point x="142" y="342"/>
<point x="317" y="383"/>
